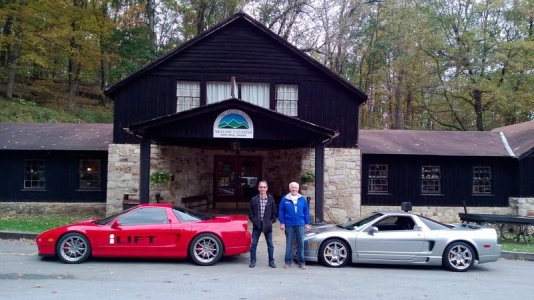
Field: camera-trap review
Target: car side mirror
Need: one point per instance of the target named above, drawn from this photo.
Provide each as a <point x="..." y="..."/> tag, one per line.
<point x="373" y="230"/>
<point x="417" y="228"/>
<point x="115" y="224"/>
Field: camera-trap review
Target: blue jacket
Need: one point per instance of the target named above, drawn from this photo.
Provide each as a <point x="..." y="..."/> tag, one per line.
<point x="287" y="214"/>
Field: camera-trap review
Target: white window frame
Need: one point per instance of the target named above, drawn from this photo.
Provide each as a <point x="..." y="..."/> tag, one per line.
<point x="187" y="95"/>
<point x="378" y="179"/>
<point x="287" y="97"/>
<point x="482" y="179"/>
<point x="430" y="179"/>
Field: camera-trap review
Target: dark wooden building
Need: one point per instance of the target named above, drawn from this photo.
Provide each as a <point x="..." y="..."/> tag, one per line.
<point x="239" y="65"/>
<point x="54" y="162"/>
<point x="429" y="168"/>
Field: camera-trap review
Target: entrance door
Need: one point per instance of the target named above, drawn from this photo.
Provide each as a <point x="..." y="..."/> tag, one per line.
<point x="236" y="180"/>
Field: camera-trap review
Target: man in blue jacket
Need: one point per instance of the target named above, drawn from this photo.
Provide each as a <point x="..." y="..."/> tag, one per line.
<point x="294" y="217"/>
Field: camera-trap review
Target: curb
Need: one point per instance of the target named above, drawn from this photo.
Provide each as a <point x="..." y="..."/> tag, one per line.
<point x="8" y="235"/>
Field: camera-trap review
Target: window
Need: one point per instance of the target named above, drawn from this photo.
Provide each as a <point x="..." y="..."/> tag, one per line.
<point x="287" y="99"/>
<point x="145" y="216"/>
<point x="481" y="180"/>
<point x="34" y="174"/>
<point x="431" y="180"/>
<point x="378" y="178"/>
<point x="395" y="223"/>
<point x="218" y="91"/>
<point x="187" y="95"/>
<point x="89" y="174"/>
<point x="255" y="93"/>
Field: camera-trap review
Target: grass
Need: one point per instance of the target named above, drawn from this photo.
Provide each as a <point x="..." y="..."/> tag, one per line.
<point x="28" y="111"/>
<point x="514" y="246"/>
<point x="36" y="224"/>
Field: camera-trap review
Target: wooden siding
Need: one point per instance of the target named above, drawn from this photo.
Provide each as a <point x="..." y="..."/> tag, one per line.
<point x="243" y="51"/>
<point x="526" y="176"/>
<point x="456" y="182"/>
<point x="61" y="173"/>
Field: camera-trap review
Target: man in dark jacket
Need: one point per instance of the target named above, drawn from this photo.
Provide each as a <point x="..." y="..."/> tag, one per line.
<point x="262" y="213"/>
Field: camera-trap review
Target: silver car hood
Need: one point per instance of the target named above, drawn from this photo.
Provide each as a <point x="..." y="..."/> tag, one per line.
<point x="324" y="228"/>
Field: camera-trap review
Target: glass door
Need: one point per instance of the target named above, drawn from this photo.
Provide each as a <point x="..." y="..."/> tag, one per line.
<point x="236" y="179"/>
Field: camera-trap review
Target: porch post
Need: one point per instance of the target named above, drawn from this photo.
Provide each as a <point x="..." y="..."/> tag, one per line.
<point x="319" y="182"/>
<point x="144" y="172"/>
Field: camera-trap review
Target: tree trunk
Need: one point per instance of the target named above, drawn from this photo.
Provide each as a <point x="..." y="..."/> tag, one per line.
<point x="13" y="55"/>
<point x="477" y="97"/>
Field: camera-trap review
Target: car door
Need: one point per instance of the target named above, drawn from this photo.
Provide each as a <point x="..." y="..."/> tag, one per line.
<point x="143" y="232"/>
<point x="397" y="239"/>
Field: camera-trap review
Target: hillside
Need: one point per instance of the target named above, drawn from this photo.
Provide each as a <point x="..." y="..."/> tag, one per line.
<point x="46" y="101"/>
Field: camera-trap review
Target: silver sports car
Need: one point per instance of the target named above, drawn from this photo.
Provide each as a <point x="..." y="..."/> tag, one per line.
<point x="402" y="238"/>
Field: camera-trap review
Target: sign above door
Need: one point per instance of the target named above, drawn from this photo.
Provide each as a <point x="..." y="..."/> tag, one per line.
<point x="233" y="123"/>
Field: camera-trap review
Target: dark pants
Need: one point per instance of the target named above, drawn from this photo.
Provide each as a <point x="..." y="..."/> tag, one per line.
<point x="294" y="233"/>
<point x="270" y="247"/>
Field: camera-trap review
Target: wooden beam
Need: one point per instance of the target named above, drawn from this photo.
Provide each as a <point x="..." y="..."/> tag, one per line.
<point x="319" y="183"/>
<point x="144" y="172"/>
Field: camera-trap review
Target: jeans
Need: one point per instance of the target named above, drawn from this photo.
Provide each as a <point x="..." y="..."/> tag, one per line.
<point x="294" y="233"/>
<point x="270" y="247"/>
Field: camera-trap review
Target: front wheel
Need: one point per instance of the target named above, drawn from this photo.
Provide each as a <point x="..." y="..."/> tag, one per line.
<point x="458" y="257"/>
<point x="334" y="253"/>
<point x="73" y="248"/>
<point x="206" y="249"/>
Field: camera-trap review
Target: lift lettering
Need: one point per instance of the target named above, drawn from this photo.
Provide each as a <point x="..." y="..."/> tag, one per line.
<point x="131" y="239"/>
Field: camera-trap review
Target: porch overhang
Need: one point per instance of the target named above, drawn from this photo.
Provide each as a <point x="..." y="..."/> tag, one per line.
<point x="266" y="129"/>
<point x="194" y="128"/>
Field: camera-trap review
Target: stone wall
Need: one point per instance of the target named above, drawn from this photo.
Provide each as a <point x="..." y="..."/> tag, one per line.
<point x="53" y="208"/>
<point x="522" y="206"/>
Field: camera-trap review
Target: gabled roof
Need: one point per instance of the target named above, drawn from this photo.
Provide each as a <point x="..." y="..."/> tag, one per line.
<point x="55" y="136"/>
<point x="520" y="137"/>
<point x="439" y="143"/>
<point x="277" y="129"/>
<point x="221" y="26"/>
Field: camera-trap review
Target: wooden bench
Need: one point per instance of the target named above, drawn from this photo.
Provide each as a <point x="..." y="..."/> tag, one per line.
<point x="199" y="202"/>
<point x="130" y="200"/>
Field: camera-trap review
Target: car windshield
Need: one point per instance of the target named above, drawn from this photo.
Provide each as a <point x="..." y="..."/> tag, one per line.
<point x="434" y="225"/>
<point x="360" y="223"/>
<point x="112" y="217"/>
<point x="188" y="215"/>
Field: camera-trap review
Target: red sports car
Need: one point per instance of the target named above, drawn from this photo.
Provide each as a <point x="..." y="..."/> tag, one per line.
<point x="149" y="231"/>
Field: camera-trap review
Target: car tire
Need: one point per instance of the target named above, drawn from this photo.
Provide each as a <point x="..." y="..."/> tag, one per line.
<point x="458" y="257"/>
<point x="334" y="253"/>
<point x="73" y="248"/>
<point x="206" y="249"/>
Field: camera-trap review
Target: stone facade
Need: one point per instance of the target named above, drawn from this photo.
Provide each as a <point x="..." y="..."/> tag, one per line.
<point x="191" y="172"/>
<point x="522" y="206"/>
<point x="52" y="208"/>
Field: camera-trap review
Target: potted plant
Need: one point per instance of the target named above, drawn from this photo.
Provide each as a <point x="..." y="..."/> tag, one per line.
<point x="159" y="179"/>
<point x="307" y="177"/>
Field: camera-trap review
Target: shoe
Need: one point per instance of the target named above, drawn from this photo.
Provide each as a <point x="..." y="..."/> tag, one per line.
<point x="302" y="267"/>
<point x="252" y="265"/>
<point x="272" y="265"/>
<point x="287" y="266"/>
